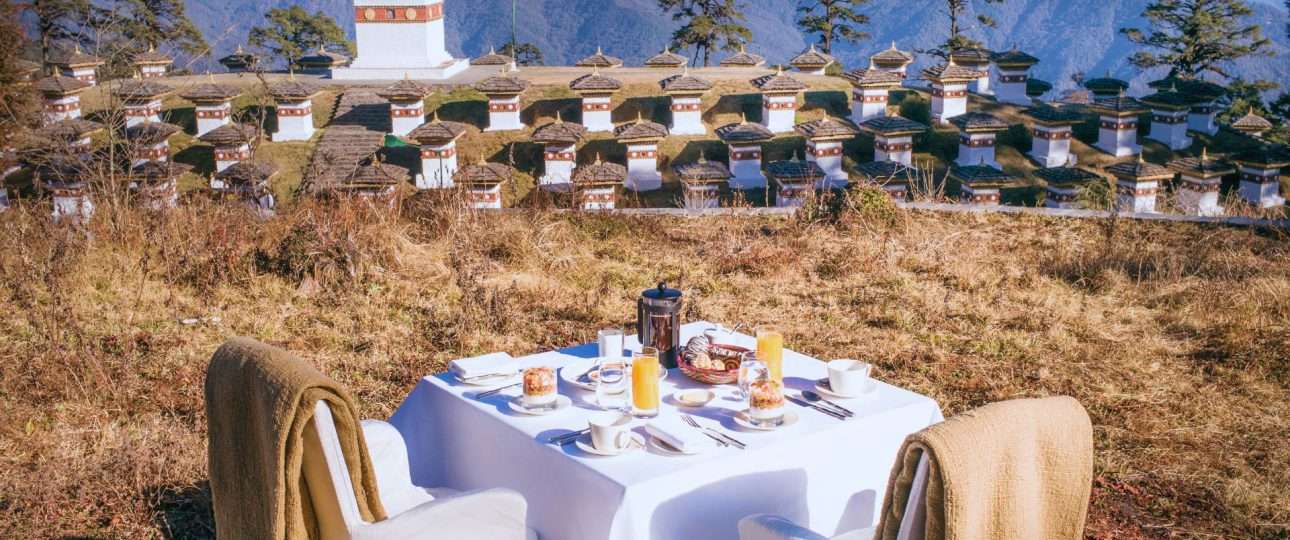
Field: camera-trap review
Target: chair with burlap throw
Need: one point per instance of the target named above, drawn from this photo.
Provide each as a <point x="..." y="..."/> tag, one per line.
<point x="1017" y="469"/>
<point x="289" y="459"/>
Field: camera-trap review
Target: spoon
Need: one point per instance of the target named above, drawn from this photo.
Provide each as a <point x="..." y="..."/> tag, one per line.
<point x="813" y="397"/>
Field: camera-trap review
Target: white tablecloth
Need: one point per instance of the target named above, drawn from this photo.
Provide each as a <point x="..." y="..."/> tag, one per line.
<point x="821" y="472"/>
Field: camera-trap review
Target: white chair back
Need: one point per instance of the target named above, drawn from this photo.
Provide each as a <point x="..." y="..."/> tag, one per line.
<point x="327" y="478"/>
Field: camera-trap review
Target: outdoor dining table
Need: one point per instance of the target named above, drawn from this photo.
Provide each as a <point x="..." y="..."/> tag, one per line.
<point x="821" y="472"/>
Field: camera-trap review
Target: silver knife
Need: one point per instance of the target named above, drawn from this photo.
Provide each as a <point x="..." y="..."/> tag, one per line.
<point x="804" y="403"/>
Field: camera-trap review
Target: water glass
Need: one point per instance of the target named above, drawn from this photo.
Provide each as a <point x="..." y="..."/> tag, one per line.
<point x="611" y="388"/>
<point x="610" y="341"/>
<point x="750" y="370"/>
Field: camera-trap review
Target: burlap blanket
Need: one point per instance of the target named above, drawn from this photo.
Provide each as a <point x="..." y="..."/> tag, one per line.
<point x="258" y="401"/>
<point x="1018" y="469"/>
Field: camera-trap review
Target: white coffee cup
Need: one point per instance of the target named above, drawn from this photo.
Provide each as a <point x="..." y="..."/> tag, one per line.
<point x="610" y="432"/>
<point x="849" y="377"/>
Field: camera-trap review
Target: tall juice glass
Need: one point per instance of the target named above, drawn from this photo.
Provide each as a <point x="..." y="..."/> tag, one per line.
<point x="645" y="391"/>
<point x="770" y="350"/>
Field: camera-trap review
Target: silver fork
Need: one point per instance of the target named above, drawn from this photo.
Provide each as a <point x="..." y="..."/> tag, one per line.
<point x="721" y="438"/>
<point x="495" y="391"/>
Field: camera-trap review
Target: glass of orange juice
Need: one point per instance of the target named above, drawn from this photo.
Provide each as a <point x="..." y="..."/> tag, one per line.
<point x="770" y="350"/>
<point x="645" y="387"/>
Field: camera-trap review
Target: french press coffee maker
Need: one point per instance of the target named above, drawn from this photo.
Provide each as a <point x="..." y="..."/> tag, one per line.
<point x="658" y="322"/>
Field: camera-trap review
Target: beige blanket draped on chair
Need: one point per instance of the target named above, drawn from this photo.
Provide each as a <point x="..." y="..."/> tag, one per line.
<point x="258" y="401"/>
<point x="1018" y="469"/>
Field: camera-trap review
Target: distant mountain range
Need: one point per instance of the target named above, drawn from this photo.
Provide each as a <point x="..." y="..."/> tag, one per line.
<point x="1069" y="36"/>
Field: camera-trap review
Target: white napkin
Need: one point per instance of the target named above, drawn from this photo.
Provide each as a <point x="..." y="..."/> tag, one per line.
<point x="678" y="434"/>
<point x="499" y="363"/>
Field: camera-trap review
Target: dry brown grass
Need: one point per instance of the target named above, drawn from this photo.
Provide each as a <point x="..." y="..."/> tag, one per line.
<point x="1175" y="337"/>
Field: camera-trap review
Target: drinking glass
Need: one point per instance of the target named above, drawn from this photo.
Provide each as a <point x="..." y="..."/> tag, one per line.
<point x="610" y="341"/>
<point x="611" y="390"/>
<point x="750" y="369"/>
<point x="770" y="350"/>
<point x="645" y="387"/>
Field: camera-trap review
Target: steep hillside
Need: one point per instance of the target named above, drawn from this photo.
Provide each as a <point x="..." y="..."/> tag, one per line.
<point x="1069" y="35"/>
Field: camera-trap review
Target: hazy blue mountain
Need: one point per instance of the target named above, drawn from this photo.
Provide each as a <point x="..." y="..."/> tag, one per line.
<point x="1068" y="35"/>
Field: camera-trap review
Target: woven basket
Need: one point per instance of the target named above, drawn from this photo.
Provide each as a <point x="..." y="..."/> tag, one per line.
<point x="730" y="355"/>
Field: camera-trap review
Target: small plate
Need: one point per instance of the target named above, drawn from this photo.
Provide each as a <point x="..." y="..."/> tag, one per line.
<point x="822" y="386"/>
<point x="500" y="379"/>
<point x="790" y="418"/>
<point x="570" y="373"/>
<point x="668" y="450"/>
<point x="561" y="402"/>
<point x="694" y="397"/>
<point x="584" y="444"/>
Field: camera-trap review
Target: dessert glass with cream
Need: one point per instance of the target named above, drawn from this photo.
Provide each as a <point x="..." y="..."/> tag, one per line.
<point x="766" y="401"/>
<point x="539" y="386"/>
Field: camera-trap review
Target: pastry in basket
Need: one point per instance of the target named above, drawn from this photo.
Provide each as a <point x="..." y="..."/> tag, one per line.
<point x="539" y="386"/>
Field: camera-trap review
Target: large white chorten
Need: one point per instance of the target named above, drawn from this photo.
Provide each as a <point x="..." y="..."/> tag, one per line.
<point x="398" y="39"/>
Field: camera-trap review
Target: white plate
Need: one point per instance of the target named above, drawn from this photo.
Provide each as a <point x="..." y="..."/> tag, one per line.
<point x="492" y="381"/>
<point x="562" y="402"/>
<point x="706" y="396"/>
<point x="822" y="386"/>
<point x="790" y="418"/>
<point x="569" y="373"/>
<point x="584" y="444"/>
<point x="662" y="447"/>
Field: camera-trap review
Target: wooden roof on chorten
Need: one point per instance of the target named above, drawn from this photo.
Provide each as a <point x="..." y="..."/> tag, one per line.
<point x="951" y="72"/>
<point x="58" y="85"/>
<point x="323" y="58"/>
<point x="211" y="92"/>
<point x="778" y="82"/>
<point x="684" y="83"/>
<point x="505" y="83"/>
<point x="1052" y="115"/>
<point x="405" y="90"/>
<point x="794" y="170"/>
<point x="239" y="59"/>
<point x="892" y="125"/>
<point x="483" y="174"/>
<point x="75" y="58"/>
<point x="743" y="58"/>
<point x="1120" y="105"/>
<point x="293" y="89"/>
<point x="1066" y="176"/>
<point x="1251" y="123"/>
<point x="745" y="132"/>
<point x="885" y="171"/>
<point x="68" y="130"/>
<point x="493" y="58"/>
<point x="980" y="175"/>
<point x="980" y="122"/>
<point x="702" y="172"/>
<point x="559" y="132"/>
<point x="600" y="60"/>
<point x="1200" y="89"/>
<point x="1168" y="99"/>
<point x="374" y="175"/>
<point x="595" y="82"/>
<point x="971" y="56"/>
<point x="667" y="59"/>
<point x="1014" y="58"/>
<point x="811" y="58"/>
<point x="640" y="130"/>
<point x="247" y="173"/>
<point x="1139" y="169"/>
<point x="153" y="172"/>
<point x="600" y="173"/>
<point x="827" y="128"/>
<point x="873" y="78"/>
<point x="149" y="132"/>
<point x="152" y="57"/>
<point x="1202" y="166"/>
<point x="141" y="89"/>
<point x="1265" y="156"/>
<point x="437" y="132"/>
<point x="1106" y="86"/>
<point x="1036" y="87"/>
<point x="892" y="56"/>
<point x="230" y="135"/>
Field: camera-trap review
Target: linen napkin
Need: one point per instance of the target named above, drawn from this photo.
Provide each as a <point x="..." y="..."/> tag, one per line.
<point x="499" y="363"/>
<point x="678" y="434"/>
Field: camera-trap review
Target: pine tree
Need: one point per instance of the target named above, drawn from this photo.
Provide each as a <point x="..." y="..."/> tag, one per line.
<point x="60" y="23"/>
<point x="19" y="106"/>
<point x="709" y="25"/>
<point x="1193" y="37"/>
<point x="525" y="54"/>
<point x="956" y="10"/>
<point x="163" y="22"/>
<point x="293" y="32"/>
<point x="834" y="20"/>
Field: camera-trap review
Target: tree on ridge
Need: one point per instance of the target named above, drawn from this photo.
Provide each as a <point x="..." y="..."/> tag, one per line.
<point x="293" y="33"/>
<point x="709" y="25"/>
<point x="1194" y="37"/>
<point x="835" y="21"/>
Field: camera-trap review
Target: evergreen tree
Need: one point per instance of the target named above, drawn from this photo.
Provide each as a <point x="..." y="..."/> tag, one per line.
<point x="293" y="33"/>
<point x="709" y="25"/>
<point x="19" y="106"/>
<point x="162" y="22"/>
<point x="60" y="23"/>
<point x="834" y="21"/>
<point x="956" y="10"/>
<point x="525" y="54"/>
<point x="1193" y="37"/>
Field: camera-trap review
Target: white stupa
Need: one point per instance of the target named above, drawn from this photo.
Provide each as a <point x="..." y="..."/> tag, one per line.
<point x="398" y="39"/>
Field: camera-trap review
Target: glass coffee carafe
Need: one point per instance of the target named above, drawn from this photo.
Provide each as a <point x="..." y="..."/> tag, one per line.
<point x="658" y="322"/>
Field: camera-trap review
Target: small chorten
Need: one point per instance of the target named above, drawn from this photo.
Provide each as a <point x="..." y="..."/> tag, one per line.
<point x="870" y="89"/>
<point x="743" y="59"/>
<point x="667" y="60"/>
<point x="503" y="91"/>
<point x="1260" y="169"/>
<point x="1137" y="185"/>
<point x="1206" y="101"/>
<point x="240" y="61"/>
<point x="78" y="65"/>
<point x="980" y="184"/>
<point x="1201" y="179"/>
<point x="1053" y="131"/>
<point x="642" y="138"/>
<point x="483" y="183"/>
<point x="231" y="142"/>
<point x="438" y="141"/>
<point x="701" y="181"/>
<point x="597" y="93"/>
<point x="1013" y="68"/>
<point x="1117" y="132"/>
<point x="1252" y="124"/>
<point x="812" y="62"/>
<point x="978" y="132"/>
<point x="322" y="61"/>
<point x="1065" y="183"/>
<point x="1169" y="118"/>
<point x="779" y="100"/>
<point x="376" y="182"/>
<point x="155" y="184"/>
<point x="213" y="103"/>
<point x="407" y="105"/>
<point x="686" y="92"/>
<point x="891" y="176"/>
<point x="745" y="140"/>
<point x="1106" y="87"/>
<point x="561" y="140"/>
<point x="600" y="60"/>
<point x="978" y="60"/>
<point x="62" y="97"/>
<point x="493" y="58"/>
<point x="893" y="138"/>
<point x="892" y="60"/>
<point x="151" y="64"/>
<point x="294" y="99"/>
<point x="597" y="184"/>
<point x="150" y="141"/>
<point x="795" y="181"/>
<point x="248" y="183"/>
<point x="141" y="99"/>
<point x="950" y="89"/>
<point x="824" y="146"/>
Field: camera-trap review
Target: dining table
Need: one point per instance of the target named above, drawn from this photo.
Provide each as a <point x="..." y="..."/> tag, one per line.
<point x="824" y="472"/>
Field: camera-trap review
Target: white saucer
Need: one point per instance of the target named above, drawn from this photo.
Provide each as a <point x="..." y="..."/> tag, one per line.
<point x="705" y="396"/>
<point x="494" y="381"/>
<point x="561" y="403"/>
<point x="662" y="447"/>
<point x="584" y="444"/>
<point x="570" y="373"/>
<point x="822" y="386"/>
<point x="790" y="418"/>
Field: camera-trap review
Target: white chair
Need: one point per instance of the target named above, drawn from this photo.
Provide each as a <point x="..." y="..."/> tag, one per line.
<point x="414" y="512"/>
<point x="772" y="527"/>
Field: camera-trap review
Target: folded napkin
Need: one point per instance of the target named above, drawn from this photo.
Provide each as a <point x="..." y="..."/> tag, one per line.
<point x="489" y="364"/>
<point x="678" y="434"/>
